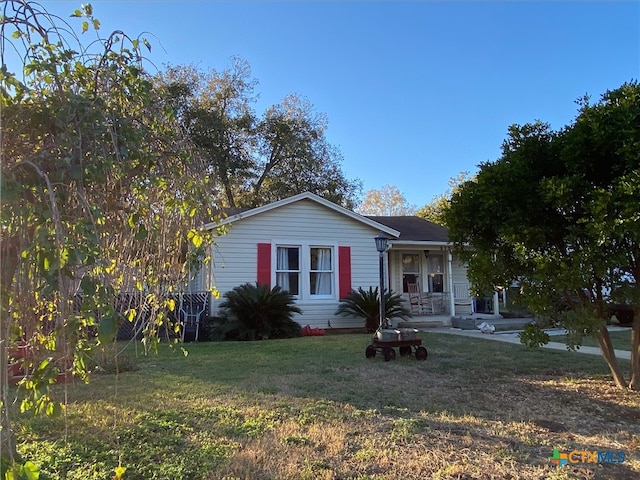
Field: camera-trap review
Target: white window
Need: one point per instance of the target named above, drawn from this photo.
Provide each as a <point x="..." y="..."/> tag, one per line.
<point x="410" y="270"/>
<point x="435" y="272"/>
<point x="321" y="271"/>
<point x="288" y="269"/>
<point x="306" y="271"/>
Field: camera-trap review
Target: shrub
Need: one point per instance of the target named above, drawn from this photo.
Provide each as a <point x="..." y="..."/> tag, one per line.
<point x="261" y="312"/>
<point x="365" y="304"/>
<point x="532" y="336"/>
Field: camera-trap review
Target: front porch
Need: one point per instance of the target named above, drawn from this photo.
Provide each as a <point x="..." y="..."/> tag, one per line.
<point x="432" y="282"/>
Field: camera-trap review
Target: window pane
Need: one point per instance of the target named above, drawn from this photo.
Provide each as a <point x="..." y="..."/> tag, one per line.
<point x="410" y="270"/>
<point x="320" y="283"/>
<point x="288" y="259"/>
<point x="293" y="255"/>
<point x="411" y="263"/>
<point x="408" y="278"/>
<point x="321" y="272"/>
<point x="321" y="259"/>
<point x="288" y="269"/>
<point x="288" y="281"/>
<point x="436" y="264"/>
<point x="436" y="282"/>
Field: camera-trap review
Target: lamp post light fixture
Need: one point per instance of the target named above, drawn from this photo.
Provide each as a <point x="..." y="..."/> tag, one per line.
<point x="381" y="245"/>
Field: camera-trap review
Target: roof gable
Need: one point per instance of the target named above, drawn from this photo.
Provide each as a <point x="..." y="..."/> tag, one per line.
<point x="383" y="227"/>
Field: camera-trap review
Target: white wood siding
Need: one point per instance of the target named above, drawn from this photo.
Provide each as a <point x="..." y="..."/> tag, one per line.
<point x="459" y="271"/>
<point x="234" y="257"/>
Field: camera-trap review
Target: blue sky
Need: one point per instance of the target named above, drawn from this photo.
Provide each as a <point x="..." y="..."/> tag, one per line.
<point x="415" y="92"/>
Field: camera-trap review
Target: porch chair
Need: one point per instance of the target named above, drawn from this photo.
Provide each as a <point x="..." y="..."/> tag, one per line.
<point x="462" y="298"/>
<point x="415" y="299"/>
<point x="431" y="304"/>
<point x="192" y="309"/>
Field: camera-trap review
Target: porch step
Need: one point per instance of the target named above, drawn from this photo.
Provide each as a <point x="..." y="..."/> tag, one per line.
<point x="421" y="324"/>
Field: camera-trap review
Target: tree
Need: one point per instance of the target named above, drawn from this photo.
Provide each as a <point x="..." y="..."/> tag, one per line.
<point x="557" y="213"/>
<point x="434" y="210"/>
<point x="256" y="160"/>
<point x="99" y="195"/>
<point x="388" y="201"/>
<point x="215" y="111"/>
<point x="295" y="157"/>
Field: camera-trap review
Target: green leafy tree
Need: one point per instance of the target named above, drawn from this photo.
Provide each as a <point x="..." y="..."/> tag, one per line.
<point x="256" y="159"/>
<point x="557" y="213"/>
<point x="366" y="304"/>
<point x="215" y="110"/>
<point x="434" y="210"/>
<point x="294" y="156"/>
<point x="99" y="195"/>
<point x="388" y="201"/>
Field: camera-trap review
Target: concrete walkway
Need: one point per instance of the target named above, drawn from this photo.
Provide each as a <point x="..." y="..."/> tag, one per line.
<point x="512" y="337"/>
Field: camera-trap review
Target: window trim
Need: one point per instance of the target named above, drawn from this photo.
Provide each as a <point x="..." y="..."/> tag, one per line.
<point x="431" y="275"/>
<point x="333" y="271"/>
<point x="305" y="247"/>
<point x="299" y="271"/>
<point x="417" y="274"/>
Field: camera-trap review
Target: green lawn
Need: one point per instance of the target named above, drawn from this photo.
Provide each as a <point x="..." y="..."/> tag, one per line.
<point x="621" y="340"/>
<point x="316" y="408"/>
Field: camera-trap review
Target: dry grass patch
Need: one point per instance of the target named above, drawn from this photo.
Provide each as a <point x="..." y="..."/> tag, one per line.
<point x="315" y="408"/>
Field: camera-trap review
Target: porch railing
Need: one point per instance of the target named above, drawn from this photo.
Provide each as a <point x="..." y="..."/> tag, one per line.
<point x="191" y="310"/>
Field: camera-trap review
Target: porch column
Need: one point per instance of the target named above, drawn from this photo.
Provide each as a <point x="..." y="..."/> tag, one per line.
<point x="387" y="277"/>
<point x="452" y="303"/>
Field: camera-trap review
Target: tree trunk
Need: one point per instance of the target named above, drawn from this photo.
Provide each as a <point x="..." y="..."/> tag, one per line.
<point x="274" y="159"/>
<point x="7" y="437"/>
<point x="634" y="384"/>
<point x="9" y="259"/>
<point x="228" y="191"/>
<point x="606" y="347"/>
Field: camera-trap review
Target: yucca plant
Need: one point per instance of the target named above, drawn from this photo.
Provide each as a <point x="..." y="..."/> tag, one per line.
<point x="366" y="304"/>
<point x="262" y="312"/>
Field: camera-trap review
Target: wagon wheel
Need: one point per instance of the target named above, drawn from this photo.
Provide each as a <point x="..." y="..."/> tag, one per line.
<point x="389" y="354"/>
<point x="404" y="351"/>
<point x="370" y="352"/>
<point x="421" y="353"/>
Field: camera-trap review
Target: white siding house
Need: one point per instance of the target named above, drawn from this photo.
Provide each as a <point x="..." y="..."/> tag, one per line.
<point x="319" y="251"/>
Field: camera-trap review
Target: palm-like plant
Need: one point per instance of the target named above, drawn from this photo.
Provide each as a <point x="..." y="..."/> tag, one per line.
<point x="262" y="312"/>
<point x="366" y="304"/>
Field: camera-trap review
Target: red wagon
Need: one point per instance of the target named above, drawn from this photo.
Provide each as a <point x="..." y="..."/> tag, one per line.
<point x="386" y="340"/>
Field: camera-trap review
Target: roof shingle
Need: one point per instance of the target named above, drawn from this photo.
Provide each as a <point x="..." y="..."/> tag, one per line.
<point x="413" y="228"/>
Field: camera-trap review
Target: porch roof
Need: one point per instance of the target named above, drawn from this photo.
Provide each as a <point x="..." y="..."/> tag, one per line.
<point x="414" y="229"/>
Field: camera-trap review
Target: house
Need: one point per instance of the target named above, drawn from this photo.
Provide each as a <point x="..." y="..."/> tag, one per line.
<point x="319" y="251"/>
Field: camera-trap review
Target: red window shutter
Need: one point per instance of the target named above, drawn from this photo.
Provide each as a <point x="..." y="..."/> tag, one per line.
<point x="264" y="264"/>
<point x="344" y="271"/>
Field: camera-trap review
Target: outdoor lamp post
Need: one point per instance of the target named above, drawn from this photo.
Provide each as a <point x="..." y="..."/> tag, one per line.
<point x="381" y="246"/>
